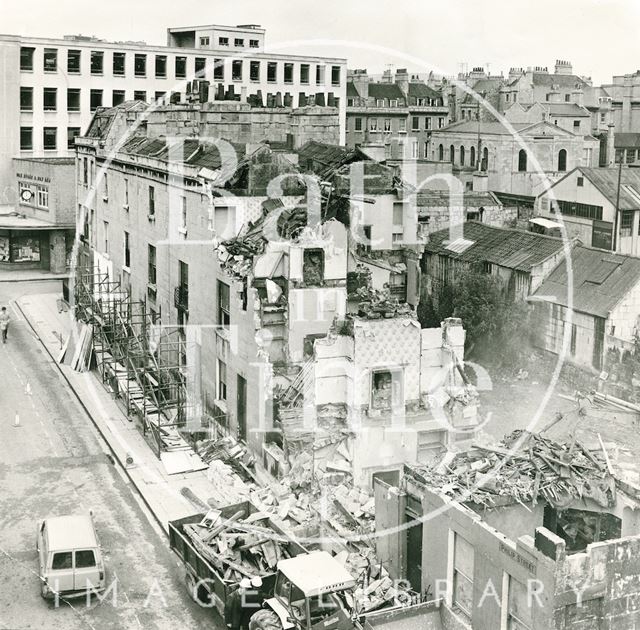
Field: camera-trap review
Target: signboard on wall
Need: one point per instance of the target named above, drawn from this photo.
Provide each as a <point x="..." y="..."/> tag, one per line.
<point x="602" y="235"/>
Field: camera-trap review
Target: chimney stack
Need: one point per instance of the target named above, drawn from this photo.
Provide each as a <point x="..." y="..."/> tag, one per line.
<point x="360" y="80"/>
<point x="563" y="67"/>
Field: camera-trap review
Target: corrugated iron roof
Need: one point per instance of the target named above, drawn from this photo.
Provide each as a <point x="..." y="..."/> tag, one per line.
<point x="600" y="281"/>
<point x="514" y="249"/>
<point x="606" y="181"/>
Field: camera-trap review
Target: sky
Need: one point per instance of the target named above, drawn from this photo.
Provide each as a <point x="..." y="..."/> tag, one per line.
<point x="600" y="37"/>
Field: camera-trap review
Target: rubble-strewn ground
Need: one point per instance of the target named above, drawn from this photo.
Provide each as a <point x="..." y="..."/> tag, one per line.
<point x="52" y="464"/>
<point x="514" y="400"/>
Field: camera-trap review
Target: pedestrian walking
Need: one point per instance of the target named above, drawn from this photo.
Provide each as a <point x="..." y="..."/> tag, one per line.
<point x="4" y="323"/>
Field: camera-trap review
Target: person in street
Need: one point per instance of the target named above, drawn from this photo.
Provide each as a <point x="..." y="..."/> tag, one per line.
<point x="233" y="610"/>
<point x="4" y="323"/>
<point x="253" y="600"/>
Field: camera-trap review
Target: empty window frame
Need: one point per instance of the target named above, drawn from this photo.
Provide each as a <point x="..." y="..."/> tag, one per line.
<point x="386" y="389"/>
<point x="223" y="41"/>
<point x="313" y="266"/>
<point x="319" y="75"/>
<point x="127" y="250"/>
<point x="254" y="43"/>
<point x="238" y="42"/>
<point x="140" y="95"/>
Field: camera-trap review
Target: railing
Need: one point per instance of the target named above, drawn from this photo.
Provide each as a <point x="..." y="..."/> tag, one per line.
<point x="181" y="297"/>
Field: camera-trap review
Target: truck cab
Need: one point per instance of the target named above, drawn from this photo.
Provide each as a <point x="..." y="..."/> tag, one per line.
<point x="309" y="594"/>
<point x="69" y="557"/>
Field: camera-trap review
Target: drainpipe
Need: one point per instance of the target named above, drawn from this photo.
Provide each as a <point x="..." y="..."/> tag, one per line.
<point x="617" y="221"/>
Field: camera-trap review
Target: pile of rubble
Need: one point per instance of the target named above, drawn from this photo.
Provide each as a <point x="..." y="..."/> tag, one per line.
<point x="239" y="547"/>
<point x="523" y="467"/>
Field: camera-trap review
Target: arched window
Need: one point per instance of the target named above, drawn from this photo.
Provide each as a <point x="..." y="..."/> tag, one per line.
<point x="522" y="161"/>
<point x="485" y="159"/>
<point x="441" y="153"/>
<point x="452" y="154"/>
<point x="472" y="157"/>
<point x="461" y="156"/>
<point x="562" y="160"/>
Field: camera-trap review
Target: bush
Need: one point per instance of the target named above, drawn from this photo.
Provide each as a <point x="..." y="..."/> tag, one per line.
<point x="496" y="326"/>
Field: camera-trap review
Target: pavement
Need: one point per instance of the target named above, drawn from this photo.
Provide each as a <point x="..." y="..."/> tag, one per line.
<point x="160" y="492"/>
<point x="53" y="462"/>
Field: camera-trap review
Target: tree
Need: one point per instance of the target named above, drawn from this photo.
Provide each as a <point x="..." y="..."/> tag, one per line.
<point x="496" y="325"/>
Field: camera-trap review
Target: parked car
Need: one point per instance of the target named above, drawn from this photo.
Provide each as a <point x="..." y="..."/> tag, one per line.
<point x="69" y="556"/>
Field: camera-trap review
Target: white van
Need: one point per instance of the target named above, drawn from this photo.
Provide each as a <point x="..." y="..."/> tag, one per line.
<point x="69" y="556"/>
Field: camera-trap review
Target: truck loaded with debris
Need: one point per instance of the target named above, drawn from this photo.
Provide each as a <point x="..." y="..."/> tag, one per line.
<point x="301" y="588"/>
<point x="224" y="545"/>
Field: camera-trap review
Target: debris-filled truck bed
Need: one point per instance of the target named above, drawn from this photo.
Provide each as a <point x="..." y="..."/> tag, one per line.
<point x="225" y="545"/>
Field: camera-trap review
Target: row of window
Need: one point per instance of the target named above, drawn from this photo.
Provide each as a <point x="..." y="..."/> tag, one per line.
<point x="96" y="98"/>
<point x="562" y="160"/>
<point x="118" y="65"/>
<point x="49" y="138"/>
<point x="384" y="124"/>
<point x="462" y="156"/>
<point x="238" y="42"/>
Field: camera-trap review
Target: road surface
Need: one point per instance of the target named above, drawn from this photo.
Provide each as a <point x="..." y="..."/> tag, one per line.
<point x="54" y="463"/>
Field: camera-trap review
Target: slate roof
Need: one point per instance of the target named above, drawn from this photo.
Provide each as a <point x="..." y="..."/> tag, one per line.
<point x="385" y="90"/>
<point x="514" y="249"/>
<point x="600" y="281"/>
<point x="352" y="91"/>
<point x="418" y="89"/>
<point x="484" y="87"/>
<point x="606" y="181"/>
<point x="626" y="140"/>
<point x="321" y="157"/>
<point x="566" y="109"/>
<point x="472" y="126"/>
<point x="562" y="80"/>
<point x="195" y="153"/>
<point x="470" y="199"/>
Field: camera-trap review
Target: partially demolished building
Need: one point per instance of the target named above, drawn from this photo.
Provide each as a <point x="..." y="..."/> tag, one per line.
<point x="528" y="533"/>
<point x="296" y="309"/>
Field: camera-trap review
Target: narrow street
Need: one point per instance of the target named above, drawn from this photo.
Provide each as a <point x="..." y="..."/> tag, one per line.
<point x="54" y="464"/>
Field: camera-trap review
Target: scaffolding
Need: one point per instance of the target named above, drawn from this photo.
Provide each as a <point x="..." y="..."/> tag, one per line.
<point x="142" y="362"/>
